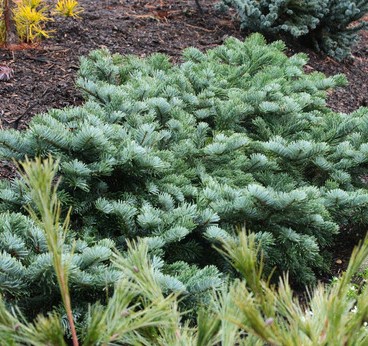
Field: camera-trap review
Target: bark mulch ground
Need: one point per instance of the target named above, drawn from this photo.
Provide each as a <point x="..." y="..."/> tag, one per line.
<point x="44" y="76"/>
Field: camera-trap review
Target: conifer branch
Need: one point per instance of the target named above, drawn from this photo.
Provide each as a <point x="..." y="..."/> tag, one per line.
<point x="40" y="178"/>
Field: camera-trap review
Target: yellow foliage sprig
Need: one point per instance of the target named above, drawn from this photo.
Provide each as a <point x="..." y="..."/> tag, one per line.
<point x="29" y="17"/>
<point x="68" y="8"/>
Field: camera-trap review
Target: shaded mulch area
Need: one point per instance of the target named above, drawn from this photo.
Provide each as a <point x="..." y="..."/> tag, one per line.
<point x="44" y="76"/>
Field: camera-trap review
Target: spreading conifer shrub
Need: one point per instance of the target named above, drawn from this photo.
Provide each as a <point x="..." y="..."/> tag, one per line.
<point x="247" y="311"/>
<point x="330" y="26"/>
<point x="181" y="154"/>
<point x="27" y="275"/>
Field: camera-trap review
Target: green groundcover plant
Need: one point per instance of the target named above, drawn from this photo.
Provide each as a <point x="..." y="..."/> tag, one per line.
<point x="331" y="26"/>
<point x="179" y="155"/>
<point x="247" y="311"/>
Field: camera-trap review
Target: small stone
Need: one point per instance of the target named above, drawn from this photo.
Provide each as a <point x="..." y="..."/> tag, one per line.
<point x="125" y="313"/>
<point x="269" y="321"/>
<point x="338" y="261"/>
<point x="135" y="269"/>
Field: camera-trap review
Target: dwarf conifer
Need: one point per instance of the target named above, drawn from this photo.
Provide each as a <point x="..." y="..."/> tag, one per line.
<point x="181" y="154"/>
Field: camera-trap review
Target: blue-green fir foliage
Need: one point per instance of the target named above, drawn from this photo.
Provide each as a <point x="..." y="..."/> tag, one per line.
<point x="27" y="276"/>
<point x="180" y="155"/>
<point x="330" y="25"/>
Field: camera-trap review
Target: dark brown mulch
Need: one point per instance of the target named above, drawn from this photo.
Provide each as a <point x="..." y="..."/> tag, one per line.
<point x="355" y="95"/>
<point x="44" y="77"/>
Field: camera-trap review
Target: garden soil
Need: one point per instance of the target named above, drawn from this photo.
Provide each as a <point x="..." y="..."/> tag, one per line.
<point x="44" y="74"/>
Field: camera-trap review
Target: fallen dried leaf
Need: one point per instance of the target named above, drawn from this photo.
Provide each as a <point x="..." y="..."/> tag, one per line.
<point x="6" y="72"/>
